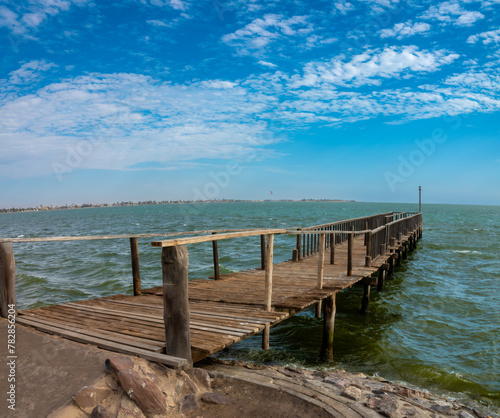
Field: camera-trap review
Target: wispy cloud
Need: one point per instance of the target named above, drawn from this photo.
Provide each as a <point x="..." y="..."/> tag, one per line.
<point x="29" y="71"/>
<point x="485" y="37"/>
<point x="256" y="36"/>
<point x="25" y="18"/>
<point x="373" y="65"/>
<point x="403" y="30"/>
<point x="452" y="12"/>
<point x="140" y="120"/>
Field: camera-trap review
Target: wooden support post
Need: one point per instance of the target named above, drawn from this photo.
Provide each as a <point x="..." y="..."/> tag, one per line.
<point x="381" y="279"/>
<point x="332" y="249"/>
<point x="321" y="261"/>
<point x="366" y="298"/>
<point x="299" y="244"/>
<point x="328" y="328"/>
<point x="368" y="240"/>
<point x="295" y="254"/>
<point x="319" y="306"/>
<point x="308" y="242"/>
<point x="7" y="279"/>
<point x="393" y="242"/>
<point x="349" y="253"/>
<point x="405" y="251"/>
<point x="266" y="333"/>
<point x="382" y="249"/>
<point x="268" y="289"/>
<point x="262" y="252"/>
<point x="366" y="234"/>
<point x="215" y="249"/>
<point x="303" y="245"/>
<point x="391" y="266"/>
<point x="175" y="263"/>
<point x="136" y="276"/>
<point x="269" y="272"/>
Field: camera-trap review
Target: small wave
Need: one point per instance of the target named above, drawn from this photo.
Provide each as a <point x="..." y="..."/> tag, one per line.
<point x="20" y="236"/>
<point x="466" y="252"/>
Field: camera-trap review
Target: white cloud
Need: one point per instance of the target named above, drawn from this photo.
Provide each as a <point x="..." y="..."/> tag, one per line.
<point x="174" y="4"/>
<point x="315" y="41"/>
<point x="372" y="65"/>
<point x="474" y="81"/>
<point x="257" y="35"/>
<point x="267" y="64"/>
<point x="29" y="71"/>
<point x="452" y="12"/>
<point x="403" y="30"/>
<point x="485" y="37"/>
<point x="140" y="120"/>
<point x="158" y="23"/>
<point x="344" y="6"/>
<point x="218" y="84"/>
<point x="25" y="19"/>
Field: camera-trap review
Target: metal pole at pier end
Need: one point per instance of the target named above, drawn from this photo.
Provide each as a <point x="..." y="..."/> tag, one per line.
<point x="419" y="199"/>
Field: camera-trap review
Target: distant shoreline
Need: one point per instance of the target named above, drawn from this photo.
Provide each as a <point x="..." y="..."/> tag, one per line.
<point x="166" y="202"/>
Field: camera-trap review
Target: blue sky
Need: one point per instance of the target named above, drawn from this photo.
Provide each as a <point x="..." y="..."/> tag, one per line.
<point x="104" y="101"/>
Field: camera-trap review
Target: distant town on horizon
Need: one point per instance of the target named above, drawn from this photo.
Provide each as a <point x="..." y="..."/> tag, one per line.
<point x="42" y="208"/>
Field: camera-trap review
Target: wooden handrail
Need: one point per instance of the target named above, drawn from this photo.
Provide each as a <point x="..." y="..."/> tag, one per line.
<point x="103" y="237"/>
<point x="218" y="237"/>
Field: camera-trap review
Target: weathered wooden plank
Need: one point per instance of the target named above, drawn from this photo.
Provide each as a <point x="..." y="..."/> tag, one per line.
<point x="108" y="336"/>
<point x="172" y="361"/>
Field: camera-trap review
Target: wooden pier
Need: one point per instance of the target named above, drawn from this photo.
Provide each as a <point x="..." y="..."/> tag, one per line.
<point x="184" y="321"/>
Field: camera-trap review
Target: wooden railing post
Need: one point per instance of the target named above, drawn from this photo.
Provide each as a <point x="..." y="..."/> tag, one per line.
<point x="175" y="263"/>
<point x="349" y="252"/>
<point x="321" y="260"/>
<point x="215" y="249"/>
<point x="136" y="276"/>
<point x="368" y="258"/>
<point x="299" y="245"/>
<point x="332" y="247"/>
<point x="263" y="252"/>
<point x="268" y="297"/>
<point x="7" y="279"/>
<point x="366" y="234"/>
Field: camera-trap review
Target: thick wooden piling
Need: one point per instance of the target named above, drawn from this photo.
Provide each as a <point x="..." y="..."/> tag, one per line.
<point x="7" y="279"/>
<point x="215" y="250"/>
<point x="381" y="278"/>
<point x="366" y="298"/>
<point x="175" y="263"/>
<point x="328" y="328"/>
<point x="136" y="276"/>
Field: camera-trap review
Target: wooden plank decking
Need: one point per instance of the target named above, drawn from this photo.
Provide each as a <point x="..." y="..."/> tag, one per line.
<point x="222" y="312"/>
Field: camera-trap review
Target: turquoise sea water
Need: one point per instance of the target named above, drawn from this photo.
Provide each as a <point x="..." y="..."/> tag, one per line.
<point x="435" y="326"/>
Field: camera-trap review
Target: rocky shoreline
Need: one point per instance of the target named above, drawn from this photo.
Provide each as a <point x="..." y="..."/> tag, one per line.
<point x="134" y="387"/>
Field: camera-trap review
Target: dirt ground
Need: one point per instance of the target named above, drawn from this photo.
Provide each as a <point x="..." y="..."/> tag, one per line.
<point x="250" y="400"/>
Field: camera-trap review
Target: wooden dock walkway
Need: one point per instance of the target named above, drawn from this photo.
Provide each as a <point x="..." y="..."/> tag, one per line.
<point x="219" y="313"/>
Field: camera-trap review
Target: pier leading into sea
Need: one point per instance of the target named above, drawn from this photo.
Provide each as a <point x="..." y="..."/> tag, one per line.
<point x="184" y="321"/>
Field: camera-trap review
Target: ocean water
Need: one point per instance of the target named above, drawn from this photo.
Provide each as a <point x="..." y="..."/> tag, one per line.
<point x="435" y="326"/>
